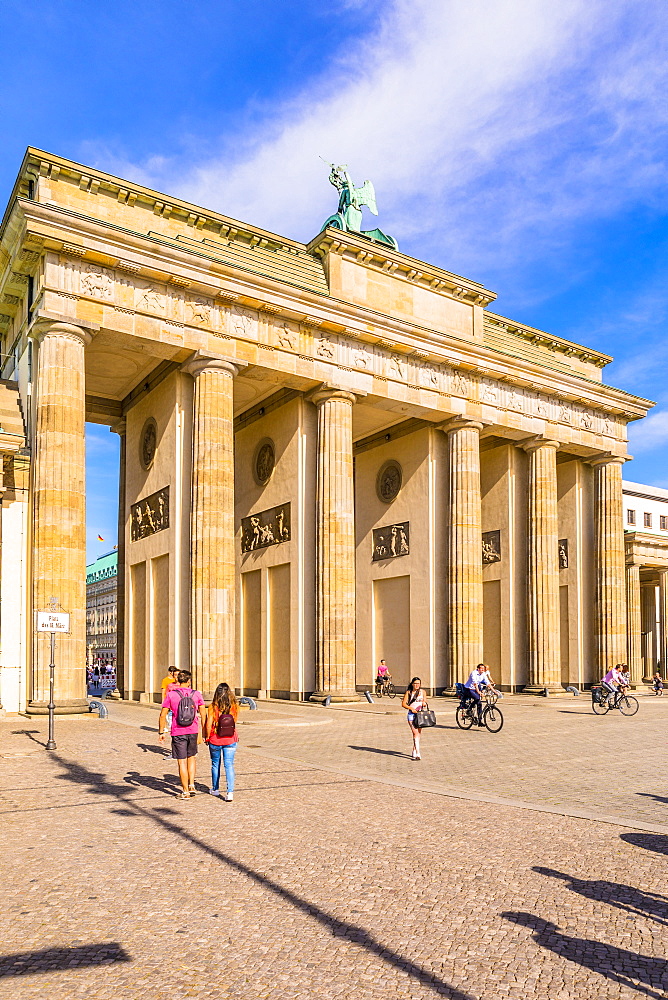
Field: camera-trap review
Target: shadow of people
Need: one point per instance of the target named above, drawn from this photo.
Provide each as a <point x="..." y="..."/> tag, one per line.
<point x="336" y="926"/>
<point x="657" y="842"/>
<point x="28" y="963"/>
<point x="152" y="748"/>
<point x="624" y="897"/>
<point x="387" y="753"/>
<point x="650" y="795"/>
<point x="169" y="783"/>
<point x="641" y="973"/>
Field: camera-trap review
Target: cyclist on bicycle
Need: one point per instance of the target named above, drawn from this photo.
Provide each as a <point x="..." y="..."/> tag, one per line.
<point x="472" y="686"/>
<point x="487" y="681"/>
<point x="383" y="675"/>
<point x="615" y="682"/>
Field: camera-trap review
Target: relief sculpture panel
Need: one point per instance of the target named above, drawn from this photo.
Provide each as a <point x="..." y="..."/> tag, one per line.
<point x="268" y="527"/>
<point x="391" y="541"/>
<point x="150" y="515"/>
<point x="491" y="547"/>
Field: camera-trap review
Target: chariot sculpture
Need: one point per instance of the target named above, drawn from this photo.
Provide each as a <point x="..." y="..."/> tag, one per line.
<point x="348" y="216"/>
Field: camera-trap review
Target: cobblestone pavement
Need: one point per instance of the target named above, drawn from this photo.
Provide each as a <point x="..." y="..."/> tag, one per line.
<point x="319" y="883"/>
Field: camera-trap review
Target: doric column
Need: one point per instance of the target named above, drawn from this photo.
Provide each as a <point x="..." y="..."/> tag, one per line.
<point x="610" y="563"/>
<point x="543" y="567"/>
<point x="464" y="548"/>
<point x="648" y="613"/>
<point x="212" y="555"/>
<point x="120" y="428"/>
<point x="335" y="547"/>
<point x="633" y="625"/>
<point x="59" y="512"/>
<point x="663" y="622"/>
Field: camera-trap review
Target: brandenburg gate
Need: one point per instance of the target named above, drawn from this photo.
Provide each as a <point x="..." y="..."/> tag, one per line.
<point x="330" y="452"/>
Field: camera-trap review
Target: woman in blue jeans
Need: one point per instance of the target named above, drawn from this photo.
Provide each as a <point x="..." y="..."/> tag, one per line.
<point x="220" y="732"/>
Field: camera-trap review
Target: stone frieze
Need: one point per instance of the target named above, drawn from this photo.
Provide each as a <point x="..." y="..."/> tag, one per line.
<point x="268" y="527"/>
<point x="150" y="515"/>
<point x="224" y="318"/>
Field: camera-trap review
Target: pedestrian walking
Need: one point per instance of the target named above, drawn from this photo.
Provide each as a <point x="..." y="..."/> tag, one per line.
<point x="414" y="701"/>
<point x="169" y="678"/>
<point x="165" y="683"/>
<point x="657" y="683"/>
<point x="185" y="705"/>
<point x="220" y="732"/>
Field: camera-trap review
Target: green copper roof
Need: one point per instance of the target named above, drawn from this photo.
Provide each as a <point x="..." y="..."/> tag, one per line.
<point x="104" y="567"/>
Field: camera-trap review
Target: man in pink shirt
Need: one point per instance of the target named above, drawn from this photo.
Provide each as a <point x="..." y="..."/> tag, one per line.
<point x="185" y="706"/>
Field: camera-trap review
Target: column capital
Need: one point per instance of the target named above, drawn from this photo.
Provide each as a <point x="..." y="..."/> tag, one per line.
<point x="609" y="459"/>
<point x="48" y="328"/>
<point x="533" y="443"/>
<point x="327" y="391"/>
<point x="460" y="423"/>
<point x="120" y="427"/>
<point x="201" y="362"/>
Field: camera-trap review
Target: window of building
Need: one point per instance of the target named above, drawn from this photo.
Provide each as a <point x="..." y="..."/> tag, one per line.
<point x="630" y="517"/>
<point x="663" y="522"/>
<point x="648" y="520"/>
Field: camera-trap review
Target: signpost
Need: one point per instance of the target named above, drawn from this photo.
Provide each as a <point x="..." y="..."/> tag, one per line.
<point x="52" y="622"/>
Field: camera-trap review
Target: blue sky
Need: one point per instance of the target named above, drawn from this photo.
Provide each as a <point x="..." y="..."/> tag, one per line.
<point x="519" y="142"/>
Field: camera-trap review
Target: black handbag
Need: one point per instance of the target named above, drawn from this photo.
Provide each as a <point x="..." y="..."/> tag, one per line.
<point x="424" y="719"/>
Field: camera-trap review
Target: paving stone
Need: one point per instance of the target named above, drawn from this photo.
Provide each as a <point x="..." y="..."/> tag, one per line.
<point x="317" y="884"/>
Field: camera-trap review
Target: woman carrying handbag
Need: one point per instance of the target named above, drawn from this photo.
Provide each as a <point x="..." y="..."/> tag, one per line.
<point x="415" y="700"/>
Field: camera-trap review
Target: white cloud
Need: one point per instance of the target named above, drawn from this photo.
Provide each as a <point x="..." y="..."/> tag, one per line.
<point x="488" y="128"/>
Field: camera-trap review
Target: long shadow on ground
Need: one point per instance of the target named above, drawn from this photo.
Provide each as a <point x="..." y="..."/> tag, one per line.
<point x="624" y="897"/>
<point x="98" y="785"/>
<point x="641" y="973"/>
<point x="27" y="963"/>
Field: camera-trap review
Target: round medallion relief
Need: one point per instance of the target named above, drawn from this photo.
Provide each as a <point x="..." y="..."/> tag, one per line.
<point x="265" y="460"/>
<point x="388" y="483"/>
<point x="148" y="442"/>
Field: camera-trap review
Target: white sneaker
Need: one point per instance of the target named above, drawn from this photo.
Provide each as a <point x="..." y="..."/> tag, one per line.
<point x="214" y="791"/>
<point x="229" y="797"/>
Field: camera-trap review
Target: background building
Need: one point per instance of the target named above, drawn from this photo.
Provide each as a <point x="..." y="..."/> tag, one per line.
<point x="101" y="604"/>
<point x="646" y="544"/>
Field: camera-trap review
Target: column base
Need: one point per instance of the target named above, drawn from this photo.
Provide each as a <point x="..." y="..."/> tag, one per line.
<point x="540" y="689"/>
<point x="74" y="706"/>
<point x="338" y="697"/>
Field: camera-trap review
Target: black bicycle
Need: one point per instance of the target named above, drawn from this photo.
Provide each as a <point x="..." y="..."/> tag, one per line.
<point x="385" y="687"/>
<point x="603" y="701"/>
<point x="466" y="715"/>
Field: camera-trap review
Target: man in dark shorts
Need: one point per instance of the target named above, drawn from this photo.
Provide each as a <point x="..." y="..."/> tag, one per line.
<point x="184" y="738"/>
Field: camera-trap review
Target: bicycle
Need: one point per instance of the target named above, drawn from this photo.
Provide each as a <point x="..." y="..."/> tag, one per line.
<point x="603" y="701"/>
<point x="467" y="712"/>
<point x="490" y="695"/>
<point x="385" y="687"/>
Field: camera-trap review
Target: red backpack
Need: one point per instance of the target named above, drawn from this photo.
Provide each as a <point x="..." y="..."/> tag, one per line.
<point x="225" y="727"/>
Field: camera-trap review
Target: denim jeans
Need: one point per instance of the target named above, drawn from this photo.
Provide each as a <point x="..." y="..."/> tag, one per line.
<point x="228" y="762"/>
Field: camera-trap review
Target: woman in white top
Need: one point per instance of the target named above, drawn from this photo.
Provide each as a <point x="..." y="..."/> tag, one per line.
<point x="414" y="701"/>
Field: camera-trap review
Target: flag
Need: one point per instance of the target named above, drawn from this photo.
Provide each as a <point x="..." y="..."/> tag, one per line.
<point x="100" y="538"/>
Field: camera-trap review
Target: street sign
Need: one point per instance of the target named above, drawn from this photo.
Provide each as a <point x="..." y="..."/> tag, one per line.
<point x="53" y="621"/>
